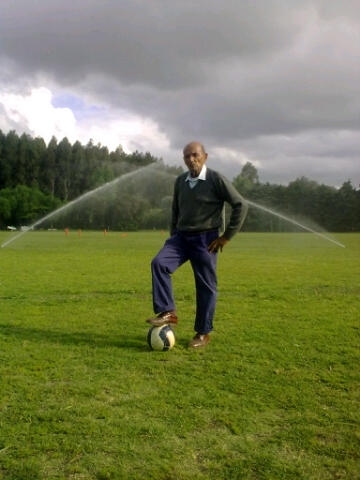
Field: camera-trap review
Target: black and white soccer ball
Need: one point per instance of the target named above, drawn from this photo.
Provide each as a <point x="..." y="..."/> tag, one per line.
<point x="161" y="338"/>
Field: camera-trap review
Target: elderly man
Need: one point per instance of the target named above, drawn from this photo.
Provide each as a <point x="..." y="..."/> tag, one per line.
<point x="197" y="218"/>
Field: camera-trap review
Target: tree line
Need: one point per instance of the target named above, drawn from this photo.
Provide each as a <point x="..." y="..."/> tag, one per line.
<point x="304" y="200"/>
<point x="134" y="191"/>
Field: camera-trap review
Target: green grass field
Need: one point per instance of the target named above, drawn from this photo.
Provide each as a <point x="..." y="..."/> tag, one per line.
<point x="275" y="395"/>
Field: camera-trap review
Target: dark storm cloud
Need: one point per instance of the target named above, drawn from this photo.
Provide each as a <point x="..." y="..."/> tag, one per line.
<point x="160" y="43"/>
<point x="266" y="79"/>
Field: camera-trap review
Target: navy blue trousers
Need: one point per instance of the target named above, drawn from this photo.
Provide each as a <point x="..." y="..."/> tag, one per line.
<point x="177" y="250"/>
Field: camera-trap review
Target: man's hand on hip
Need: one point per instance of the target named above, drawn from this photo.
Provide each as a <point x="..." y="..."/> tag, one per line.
<point x="217" y="244"/>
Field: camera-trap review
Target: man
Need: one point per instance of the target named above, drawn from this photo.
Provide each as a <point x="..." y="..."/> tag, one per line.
<point x="197" y="217"/>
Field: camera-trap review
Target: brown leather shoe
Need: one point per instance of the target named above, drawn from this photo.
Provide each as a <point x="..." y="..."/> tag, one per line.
<point x="200" y="340"/>
<point x="163" y="319"/>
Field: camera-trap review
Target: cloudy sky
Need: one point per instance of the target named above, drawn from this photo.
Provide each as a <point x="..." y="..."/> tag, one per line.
<point x="273" y="82"/>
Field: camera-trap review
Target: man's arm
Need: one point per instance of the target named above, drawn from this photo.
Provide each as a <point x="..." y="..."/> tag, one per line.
<point x="174" y="210"/>
<point x="239" y="208"/>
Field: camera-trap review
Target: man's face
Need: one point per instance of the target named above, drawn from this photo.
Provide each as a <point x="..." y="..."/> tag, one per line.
<point x="194" y="158"/>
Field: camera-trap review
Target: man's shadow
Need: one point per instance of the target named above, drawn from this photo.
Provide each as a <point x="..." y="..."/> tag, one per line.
<point x="122" y="341"/>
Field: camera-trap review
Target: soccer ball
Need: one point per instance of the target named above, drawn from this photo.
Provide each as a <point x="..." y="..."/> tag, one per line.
<point x="161" y="338"/>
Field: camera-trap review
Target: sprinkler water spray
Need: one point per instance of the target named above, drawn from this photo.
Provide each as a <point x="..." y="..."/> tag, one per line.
<point x="147" y="169"/>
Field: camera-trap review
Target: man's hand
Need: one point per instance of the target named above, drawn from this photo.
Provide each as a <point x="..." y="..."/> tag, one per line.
<point x="217" y="244"/>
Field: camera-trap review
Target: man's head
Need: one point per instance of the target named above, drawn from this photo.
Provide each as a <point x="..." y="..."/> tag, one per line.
<point x="194" y="157"/>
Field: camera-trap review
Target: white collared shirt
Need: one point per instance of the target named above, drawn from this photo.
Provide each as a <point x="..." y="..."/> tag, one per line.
<point x="194" y="180"/>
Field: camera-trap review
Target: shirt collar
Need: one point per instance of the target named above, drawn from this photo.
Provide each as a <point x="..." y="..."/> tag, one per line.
<point x="201" y="176"/>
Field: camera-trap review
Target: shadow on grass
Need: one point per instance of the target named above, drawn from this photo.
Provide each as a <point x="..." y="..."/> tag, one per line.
<point x="75" y="338"/>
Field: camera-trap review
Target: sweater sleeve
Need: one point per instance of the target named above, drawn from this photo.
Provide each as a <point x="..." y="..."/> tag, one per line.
<point x="239" y="206"/>
<point x="174" y="208"/>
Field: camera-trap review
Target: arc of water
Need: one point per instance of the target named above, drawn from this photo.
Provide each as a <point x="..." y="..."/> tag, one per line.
<point x="294" y="222"/>
<point x="123" y="177"/>
<point x="150" y="167"/>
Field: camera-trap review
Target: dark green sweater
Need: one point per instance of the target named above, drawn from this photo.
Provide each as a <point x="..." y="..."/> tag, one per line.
<point x="201" y="208"/>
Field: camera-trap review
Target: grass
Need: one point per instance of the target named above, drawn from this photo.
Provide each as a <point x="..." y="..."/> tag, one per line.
<point x="275" y="395"/>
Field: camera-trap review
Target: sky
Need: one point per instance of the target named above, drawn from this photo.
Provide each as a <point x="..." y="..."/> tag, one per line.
<point x="271" y="82"/>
